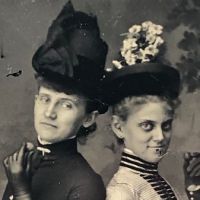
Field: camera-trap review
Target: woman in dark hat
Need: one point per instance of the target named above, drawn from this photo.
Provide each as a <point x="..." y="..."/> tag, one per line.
<point x="143" y="95"/>
<point x="69" y="68"/>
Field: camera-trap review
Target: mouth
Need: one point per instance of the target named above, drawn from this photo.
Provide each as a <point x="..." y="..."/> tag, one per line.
<point x="48" y="124"/>
<point x="157" y="147"/>
<point x="159" y="150"/>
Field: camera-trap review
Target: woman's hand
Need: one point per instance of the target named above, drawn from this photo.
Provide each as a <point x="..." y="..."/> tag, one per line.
<point x="17" y="167"/>
<point x="192" y="174"/>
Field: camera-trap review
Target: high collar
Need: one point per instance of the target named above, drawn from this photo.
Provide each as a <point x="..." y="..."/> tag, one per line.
<point x="149" y="172"/>
<point x="136" y="164"/>
<point x="58" y="149"/>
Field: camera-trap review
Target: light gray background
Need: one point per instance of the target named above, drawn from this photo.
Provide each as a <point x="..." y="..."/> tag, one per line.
<point x="23" y="27"/>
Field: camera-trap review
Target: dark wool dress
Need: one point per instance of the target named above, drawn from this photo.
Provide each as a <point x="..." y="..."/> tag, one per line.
<point x="64" y="174"/>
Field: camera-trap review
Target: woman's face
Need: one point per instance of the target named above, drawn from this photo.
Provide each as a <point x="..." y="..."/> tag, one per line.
<point x="147" y="130"/>
<point x="59" y="116"/>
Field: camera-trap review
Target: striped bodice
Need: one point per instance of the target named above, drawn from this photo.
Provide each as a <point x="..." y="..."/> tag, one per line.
<point x="149" y="172"/>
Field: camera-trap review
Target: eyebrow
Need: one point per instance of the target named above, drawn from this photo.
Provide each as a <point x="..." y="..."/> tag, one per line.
<point x="147" y="120"/>
<point x="152" y="121"/>
<point x="43" y="94"/>
<point x="75" y="100"/>
<point x="168" y="120"/>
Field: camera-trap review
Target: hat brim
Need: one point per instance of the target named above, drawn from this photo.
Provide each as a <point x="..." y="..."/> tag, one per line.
<point x="141" y="79"/>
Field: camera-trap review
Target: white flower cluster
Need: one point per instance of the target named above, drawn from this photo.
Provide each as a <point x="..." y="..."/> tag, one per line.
<point x="141" y="43"/>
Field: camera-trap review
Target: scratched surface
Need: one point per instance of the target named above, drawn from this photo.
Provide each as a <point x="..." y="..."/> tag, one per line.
<point x="23" y="26"/>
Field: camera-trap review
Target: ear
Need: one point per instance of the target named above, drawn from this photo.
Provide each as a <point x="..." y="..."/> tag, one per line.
<point x="117" y="126"/>
<point x="90" y="119"/>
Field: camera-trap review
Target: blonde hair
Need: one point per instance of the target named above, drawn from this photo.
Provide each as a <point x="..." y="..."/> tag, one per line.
<point x="122" y="108"/>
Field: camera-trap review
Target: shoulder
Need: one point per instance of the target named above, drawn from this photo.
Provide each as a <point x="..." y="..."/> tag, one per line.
<point x="126" y="176"/>
<point x="120" y="191"/>
<point x="87" y="184"/>
<point x="81" y="167"/>
<point x="83" y="173"/>
<point x="125" y="185"/>
<point x="122" y="186"/>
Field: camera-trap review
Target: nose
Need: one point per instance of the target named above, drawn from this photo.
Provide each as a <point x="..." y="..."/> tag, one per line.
<point x="50" y="111"/>
<point x="158" y="135"/>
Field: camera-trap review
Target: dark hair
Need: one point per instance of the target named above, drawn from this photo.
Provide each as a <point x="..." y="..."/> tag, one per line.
<point x="71" y="88"/>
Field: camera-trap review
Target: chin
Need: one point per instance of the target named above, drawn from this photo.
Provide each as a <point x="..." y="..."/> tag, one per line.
<point x="153" y="158"/>
<point x="46" y="139"/>
<point x="46" y="136"/>
<point x="157" y="159"/>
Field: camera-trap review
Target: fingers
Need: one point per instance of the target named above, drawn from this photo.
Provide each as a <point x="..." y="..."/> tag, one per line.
<point x="15" y="155"/>
<point x="18" y="166"/>
<point x="19" y="156"/>
<point x="32" y="158"/>
<point x="195" y="172"/>
<point x="192" y="163"/>
<point x="194" y="168"/>
<point x="189" y="155"/>
<point x="29" y="163"/>
<point x="5" y="162"/>
<point x="21" y="160"/>
<point x="6" y="166"/>
<point x="21" y="153"/>
<point x="186" y="156"/>
<point x="10" y="160"/>
<point x="29" y="146"/>
<point x="25" y="148"/>
<point x="36" y="159"/>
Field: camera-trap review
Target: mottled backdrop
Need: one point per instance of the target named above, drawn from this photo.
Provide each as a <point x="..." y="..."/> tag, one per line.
<point x="23" y="27"/>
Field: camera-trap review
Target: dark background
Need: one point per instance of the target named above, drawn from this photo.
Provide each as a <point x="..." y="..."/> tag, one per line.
<point x="23" y="27"/>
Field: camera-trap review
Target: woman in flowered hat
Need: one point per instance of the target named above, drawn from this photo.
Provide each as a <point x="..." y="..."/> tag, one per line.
<point x="69" y="68"/>
<point x="143" y="95"/>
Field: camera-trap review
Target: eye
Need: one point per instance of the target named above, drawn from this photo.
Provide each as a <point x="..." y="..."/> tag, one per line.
<point x="147" y="126"/>
<point x="66" y="104"/>
<point x="167" y="126"/>
<point x="44" y="98"/>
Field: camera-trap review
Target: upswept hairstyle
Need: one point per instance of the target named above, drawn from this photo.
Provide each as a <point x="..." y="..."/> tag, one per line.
<point x="122" y="108"/>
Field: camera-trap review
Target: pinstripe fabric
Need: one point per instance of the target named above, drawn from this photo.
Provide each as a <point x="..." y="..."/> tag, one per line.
<point x="137" y="179"/>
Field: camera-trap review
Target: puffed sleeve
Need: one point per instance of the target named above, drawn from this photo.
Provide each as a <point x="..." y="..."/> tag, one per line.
<point x="121" y="192"/>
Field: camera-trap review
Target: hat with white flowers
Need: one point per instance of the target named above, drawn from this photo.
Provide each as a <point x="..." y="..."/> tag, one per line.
<point x="137" y="70"/>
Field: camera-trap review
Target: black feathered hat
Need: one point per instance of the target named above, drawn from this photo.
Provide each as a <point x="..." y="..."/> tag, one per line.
<point x="73" y="51"/>
<point x="137" y="71"/>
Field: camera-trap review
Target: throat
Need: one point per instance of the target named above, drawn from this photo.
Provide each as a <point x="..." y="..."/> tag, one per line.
<point x="136" y="164"/>
<point x="43" y="142"/>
